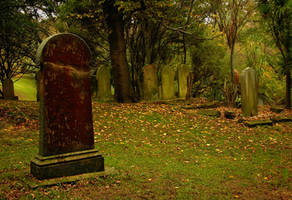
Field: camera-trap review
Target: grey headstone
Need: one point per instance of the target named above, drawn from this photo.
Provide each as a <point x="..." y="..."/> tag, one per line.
<point x="150" y="82"/>
<point x="167" y="83"/>
<point x="183" y="72"/>
<point x="103" y="77"/>
<point x="249" y="92"/>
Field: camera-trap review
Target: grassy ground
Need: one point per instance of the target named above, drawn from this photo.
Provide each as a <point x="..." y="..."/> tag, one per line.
<point x="25" y="88"/>
<point x="159" y="151"/>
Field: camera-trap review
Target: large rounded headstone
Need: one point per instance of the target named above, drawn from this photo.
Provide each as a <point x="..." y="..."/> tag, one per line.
<point x="66" y="128"/>
<point x="66" y="116"/>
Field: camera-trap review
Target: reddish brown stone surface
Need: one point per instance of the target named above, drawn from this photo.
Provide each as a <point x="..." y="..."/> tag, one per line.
<point x="66" y="113"/>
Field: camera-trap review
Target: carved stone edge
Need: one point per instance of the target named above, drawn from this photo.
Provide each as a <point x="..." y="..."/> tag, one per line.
<point x="39" y="53"/>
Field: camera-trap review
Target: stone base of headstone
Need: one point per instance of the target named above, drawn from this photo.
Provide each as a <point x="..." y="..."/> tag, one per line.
<point x="33" y="184"/>
<point x="210" y="113"/>
<point x="277" y="109"/>
<point x="282" y="119"/>
<point x="69" y="164"/>
<point x="255" y="123"/>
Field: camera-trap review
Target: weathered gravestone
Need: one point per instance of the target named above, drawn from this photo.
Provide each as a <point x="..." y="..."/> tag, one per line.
<point x="103" y="77"/>
<point x="183" y="72"/>
<point x="66" y="145"/>
<point x="249" y="92"/>
<point x="150" y="82"/>
<point x="167" y="83"/>
<point x="8" y="89"/>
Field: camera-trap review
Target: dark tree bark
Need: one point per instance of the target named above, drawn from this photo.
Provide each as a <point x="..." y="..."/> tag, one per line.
<point x="122" y="84"/>
<point x="288" y="88"/>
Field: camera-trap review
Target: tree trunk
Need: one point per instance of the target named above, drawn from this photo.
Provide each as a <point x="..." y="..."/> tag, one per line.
<point x="288" y="87"/>
<point x="122" y="84"/>
<point x="1" y="92"/>
<point x="231" y="64"/>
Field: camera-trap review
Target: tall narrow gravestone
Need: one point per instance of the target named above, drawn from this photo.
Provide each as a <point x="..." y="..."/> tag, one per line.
<point x="103" y="77"/>
<point x="249" y="92"/>
<point x="66" y="145"/>
<point x="150" y="82"/>
<point x="167" y="83"/>
<point x="182" y="72"/>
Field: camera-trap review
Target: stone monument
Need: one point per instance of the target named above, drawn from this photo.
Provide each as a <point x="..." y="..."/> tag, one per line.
<point x="150" y="82"/>
<point x="167" y="83"/>
<point x="249" y="92"/>
<point x="103" y="77"/>
<point x="66" y="144"/>
<point x="182" y="78"/>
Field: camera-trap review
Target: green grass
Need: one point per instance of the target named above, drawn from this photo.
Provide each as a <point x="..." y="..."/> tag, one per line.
<point x="159" y="152"/>
<point x="25" y="88"/>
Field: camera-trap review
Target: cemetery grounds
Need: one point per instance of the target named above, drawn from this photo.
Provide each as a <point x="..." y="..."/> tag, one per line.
<point x="158" y="151"/>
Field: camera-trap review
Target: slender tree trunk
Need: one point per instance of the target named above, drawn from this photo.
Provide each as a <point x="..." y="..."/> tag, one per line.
<point x="122" y="84"/>
<point x="288" y="87"/>
<point x="231" y="64"/>
<point x="287" y="69"/>
<point x="1" y="91"/>
<point x="185" y="50"/>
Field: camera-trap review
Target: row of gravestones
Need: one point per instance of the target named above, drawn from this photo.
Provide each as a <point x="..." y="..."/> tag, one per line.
<point x="66" y="145"/>
<point x="152" y="90"/>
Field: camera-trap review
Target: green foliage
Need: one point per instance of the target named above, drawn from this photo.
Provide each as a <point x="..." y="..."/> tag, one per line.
<point x="209" y="63"/>
<point x="278" y="16"/>
<point x="261" y="54"/>
<point x="18" y="41"/>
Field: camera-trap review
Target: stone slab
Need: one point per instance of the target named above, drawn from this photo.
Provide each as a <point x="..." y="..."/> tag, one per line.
<point x="255" y="123"/>
<point x="44" y="167"/>
<point x="277" y="109"/>
<point x="200" y="106"/>
<point x="70" y="179"/>
<point x="210" y="113"/>
<point x="281" y="119"/>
